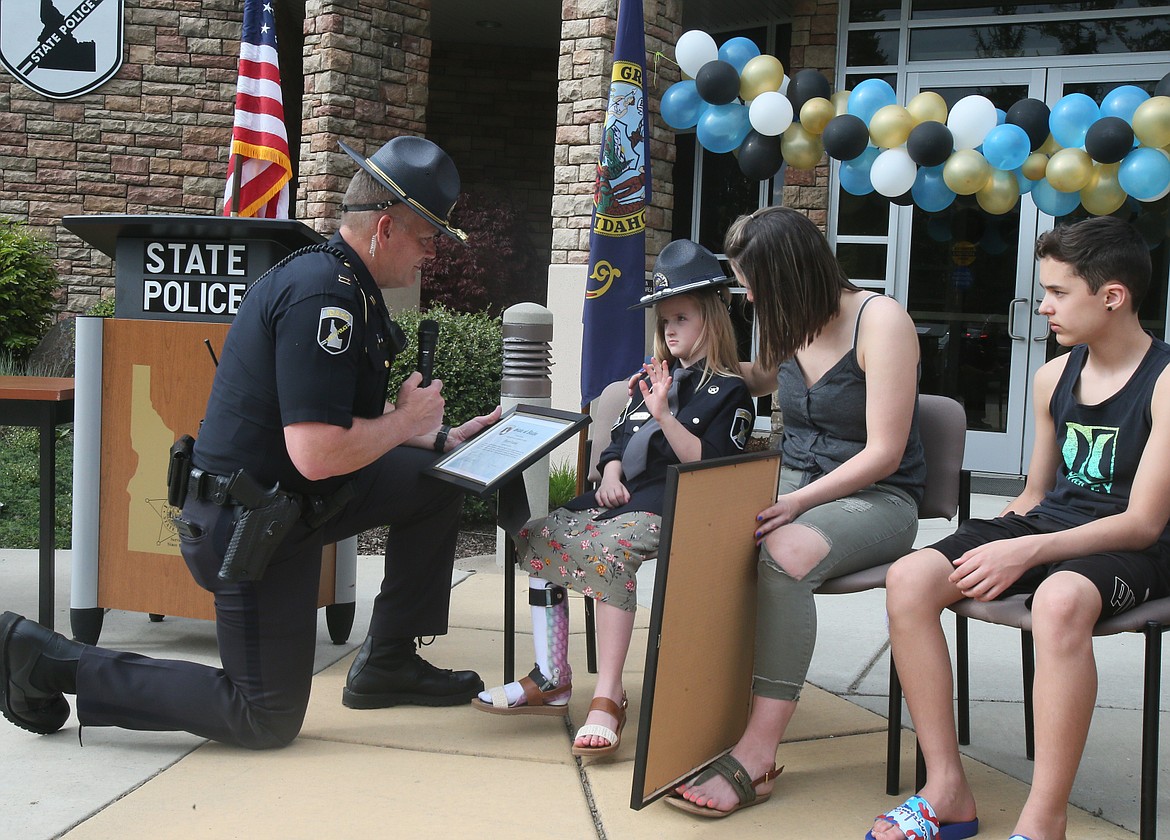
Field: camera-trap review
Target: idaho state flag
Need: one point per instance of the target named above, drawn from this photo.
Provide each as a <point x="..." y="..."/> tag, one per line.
<point x="613" y="344"/>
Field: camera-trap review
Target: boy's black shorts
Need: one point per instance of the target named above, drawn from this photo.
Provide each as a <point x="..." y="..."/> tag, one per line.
<point x="1124" y="578"/>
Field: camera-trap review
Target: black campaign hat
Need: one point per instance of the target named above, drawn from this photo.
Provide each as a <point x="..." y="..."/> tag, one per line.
<point x="683" y="267"/>
<point x="420" y="174"/>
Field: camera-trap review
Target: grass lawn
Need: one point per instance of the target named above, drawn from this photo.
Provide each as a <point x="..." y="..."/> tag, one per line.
<point x="20" y="486"/>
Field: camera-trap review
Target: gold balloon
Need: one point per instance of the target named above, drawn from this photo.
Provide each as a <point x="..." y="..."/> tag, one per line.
<point x="815" y="114"/>
<point x="1050" y="146"/>
<point x="760" y="75"/>
<point x="801" y="149"/>
<point x="928" y="106"/>
<point x="1069" y="170"/>
<point x="1103" y="195"/>
<point x="1151" y="121"/>
<point x="966" y="171"/>
<point x="1000" y="194"/>
<point x="890" y="126"/>
<point x="840" y="101"/>
<point x="1034" y="166"/>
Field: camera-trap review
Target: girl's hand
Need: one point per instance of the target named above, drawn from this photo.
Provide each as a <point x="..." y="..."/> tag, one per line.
<point x="611" y="492"/>
<point x="655" y="387"/>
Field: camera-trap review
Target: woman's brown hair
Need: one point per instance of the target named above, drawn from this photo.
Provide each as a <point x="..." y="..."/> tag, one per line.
<point x="792" y="274"/>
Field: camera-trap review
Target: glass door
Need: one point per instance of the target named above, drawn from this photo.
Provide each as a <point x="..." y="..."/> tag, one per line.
<point x="971" y="283"/>
<point x="969" y="289"/>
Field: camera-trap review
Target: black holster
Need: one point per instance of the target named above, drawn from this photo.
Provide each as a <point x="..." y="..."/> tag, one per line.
<point x="258" y="533"/>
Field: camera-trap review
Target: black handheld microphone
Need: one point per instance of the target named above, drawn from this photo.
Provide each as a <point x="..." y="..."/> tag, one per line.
<point x="428" y="339"/>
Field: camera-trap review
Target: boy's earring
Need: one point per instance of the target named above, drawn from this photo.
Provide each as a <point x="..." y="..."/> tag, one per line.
<point x="373" y="243"/>
<point x="1109" y="307"/>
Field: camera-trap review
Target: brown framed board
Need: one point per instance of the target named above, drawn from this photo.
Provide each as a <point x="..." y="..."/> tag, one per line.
<point x="697" y="688"/>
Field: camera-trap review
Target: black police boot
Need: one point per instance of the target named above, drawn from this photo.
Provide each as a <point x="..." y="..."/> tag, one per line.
<point x="387" y="672"/>
<point x="36" y="667"/>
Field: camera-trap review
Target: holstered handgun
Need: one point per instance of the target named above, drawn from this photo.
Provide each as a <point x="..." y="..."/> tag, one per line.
<point x="261" y="528"/>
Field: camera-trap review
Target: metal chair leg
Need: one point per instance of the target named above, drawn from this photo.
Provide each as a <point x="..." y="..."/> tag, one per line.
<point x="963" y="678"/>
<point x="590" y="637"/>
<point x="1028" y="664"/>
<point x="1148" y="828"/>
<point x="894" y="732"/>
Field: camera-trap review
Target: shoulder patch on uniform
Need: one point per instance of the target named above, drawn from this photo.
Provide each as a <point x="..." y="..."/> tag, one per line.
<point x="741" y="427"/>
<point x="334" y="330"/>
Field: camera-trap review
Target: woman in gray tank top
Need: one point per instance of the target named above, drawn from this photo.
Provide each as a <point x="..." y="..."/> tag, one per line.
<point x="845" y="362"/>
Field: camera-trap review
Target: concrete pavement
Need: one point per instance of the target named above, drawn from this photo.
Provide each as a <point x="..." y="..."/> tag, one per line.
<point x="457" y="772"/>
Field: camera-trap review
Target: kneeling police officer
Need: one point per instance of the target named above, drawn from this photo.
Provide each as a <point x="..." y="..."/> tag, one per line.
<point x="299" y="448"/>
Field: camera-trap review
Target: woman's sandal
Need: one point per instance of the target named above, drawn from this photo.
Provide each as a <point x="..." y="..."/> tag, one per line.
<point x="737" y="775"/>
<point x="603" y="704"/>
<point x="916" y="814"/>
<point x="538" y="698"/>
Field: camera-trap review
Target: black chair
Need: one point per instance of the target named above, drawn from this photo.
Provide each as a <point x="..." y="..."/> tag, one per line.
<point x="942" y="424"/>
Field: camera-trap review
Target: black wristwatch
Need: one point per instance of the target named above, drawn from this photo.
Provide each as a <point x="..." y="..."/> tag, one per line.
<point x="441" y="437"/>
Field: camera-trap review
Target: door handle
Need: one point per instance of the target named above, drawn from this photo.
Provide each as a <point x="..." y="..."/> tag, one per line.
<point x="1047" y="326"/>
<point x="1012" y="319"/>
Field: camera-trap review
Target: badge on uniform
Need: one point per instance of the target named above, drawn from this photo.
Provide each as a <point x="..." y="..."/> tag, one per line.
<point x="741" y="427"/>
<point x="334" y="329"/>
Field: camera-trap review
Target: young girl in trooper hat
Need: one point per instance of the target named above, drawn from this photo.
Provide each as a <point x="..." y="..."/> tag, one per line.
<point x="690" y="403"/>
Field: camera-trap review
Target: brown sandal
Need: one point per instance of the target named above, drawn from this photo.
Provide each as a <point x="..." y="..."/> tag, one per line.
<point x="537" y="698"/>
<point x="603" y="704"/>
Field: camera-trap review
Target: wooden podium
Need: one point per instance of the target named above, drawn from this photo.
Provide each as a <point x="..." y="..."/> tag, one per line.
<point x="141" y="383"/>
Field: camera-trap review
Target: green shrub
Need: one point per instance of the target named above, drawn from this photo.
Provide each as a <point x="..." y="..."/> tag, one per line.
<point x="562" y="484"/>
<point x="469" y="360"/>
<point x="28" y="282"/>
<point x="104" y="308"/>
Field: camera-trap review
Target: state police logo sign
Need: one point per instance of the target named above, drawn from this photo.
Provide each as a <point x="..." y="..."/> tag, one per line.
<point x="66" y="49"/>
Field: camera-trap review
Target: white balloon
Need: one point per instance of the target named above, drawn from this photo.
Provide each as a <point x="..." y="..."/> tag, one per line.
<point x="694" y="49"/>
<point x="784" y="84"/>
<point x="770" y="113"/>
<point x="893" y="172"/>
<point x="970" y="119"/>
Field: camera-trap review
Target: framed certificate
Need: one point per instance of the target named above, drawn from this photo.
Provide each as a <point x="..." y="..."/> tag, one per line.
<point x="521" y="437"/>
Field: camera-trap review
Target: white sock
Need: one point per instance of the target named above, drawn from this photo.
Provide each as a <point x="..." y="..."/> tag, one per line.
<point x="513" y="691"/>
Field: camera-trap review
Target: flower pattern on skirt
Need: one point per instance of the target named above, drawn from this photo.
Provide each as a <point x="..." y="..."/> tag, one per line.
<point x="598" y="558"/>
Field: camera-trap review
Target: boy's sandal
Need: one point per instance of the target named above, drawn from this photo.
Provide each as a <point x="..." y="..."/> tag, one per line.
<point x="540" y="698"/>
<point x="916" y="815"/>
<point x="603" y="704"/>
<point x="737" y="776"/>
<point x="1019" y="837"/>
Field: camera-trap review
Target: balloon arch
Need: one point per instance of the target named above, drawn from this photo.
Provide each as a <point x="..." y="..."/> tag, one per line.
<point x="1078" y="152"/>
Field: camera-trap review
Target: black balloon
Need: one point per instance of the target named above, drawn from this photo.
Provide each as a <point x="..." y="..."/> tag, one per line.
<point x="717" y="82"/>
<point x="805" y="85"/>
<point x="903" y="200"/>
<point x="930" y="143"/>
<point x="1109" y="139"/>
<point x="845" y="137"/>
<point x="1163" y="87"/>
<point x="1032" y="116"/>
<point x="759" y="156"/>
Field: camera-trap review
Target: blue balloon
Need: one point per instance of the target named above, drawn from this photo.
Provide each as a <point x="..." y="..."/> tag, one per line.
<point x="1145" y="173"/>
<point x="1070" y="119"/>
<point x="854" y="174"/>
<point x="1000" y="116"/>
<point x="738" y="51"/>
<point x="681" y="105"/>
<point x="722" y="128"/>
<point x="1123" y="101"/>
<point x="1026" y="183"/>
<point x="930" y="191"/>
<point x="1006" y="147"/>
<point x="1052" y="201"/>
<point x="868" y="97"/>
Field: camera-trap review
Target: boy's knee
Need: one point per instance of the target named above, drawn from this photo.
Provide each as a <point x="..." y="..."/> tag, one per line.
<point x="914" y="576"/>
<point x="1065" y="602"/>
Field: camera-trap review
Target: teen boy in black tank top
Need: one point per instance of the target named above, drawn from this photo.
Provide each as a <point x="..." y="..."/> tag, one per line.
<point x="1087" y="537"/>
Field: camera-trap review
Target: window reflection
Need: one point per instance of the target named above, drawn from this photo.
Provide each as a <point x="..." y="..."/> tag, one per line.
<point x="922" y="9"/>
<point x="1089" y="37"/>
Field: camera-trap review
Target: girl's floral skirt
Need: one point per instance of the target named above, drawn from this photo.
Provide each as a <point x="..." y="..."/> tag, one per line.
<point x="598" y="558"/>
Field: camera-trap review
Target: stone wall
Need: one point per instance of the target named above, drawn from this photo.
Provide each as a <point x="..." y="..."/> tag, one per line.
<point x="154" y="139"/>
<point x="367" y="68"/>
<point x="588" y="28"/>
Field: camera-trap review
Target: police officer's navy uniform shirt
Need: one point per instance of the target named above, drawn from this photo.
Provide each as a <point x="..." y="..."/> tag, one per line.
<point x="310" y="343"/>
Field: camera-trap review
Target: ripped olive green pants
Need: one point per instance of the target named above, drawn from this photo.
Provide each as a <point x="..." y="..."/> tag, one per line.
<point x="873" y="526"/>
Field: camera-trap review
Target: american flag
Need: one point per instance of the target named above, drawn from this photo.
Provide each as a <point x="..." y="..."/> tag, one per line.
<point x="259" y="140"/>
